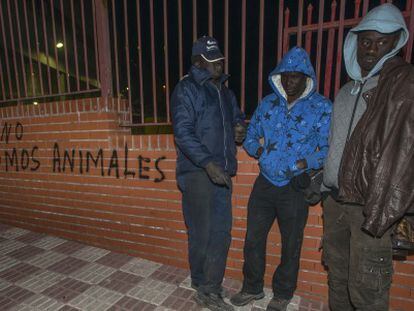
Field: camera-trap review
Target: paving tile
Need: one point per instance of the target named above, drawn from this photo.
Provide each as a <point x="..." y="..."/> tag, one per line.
<point x="7" y="262"/>
<point x="90" y="253"/>
<point x="13" y="233"/>
<point x="128" y="304"/>
<point x="114" y="260"/>
<point x="40" y="281"/>
<point x="68" y="308"/>
<point x="46" y="259"/>
<point x="30" y="237"/>
<point x="18" y="272"/>
<point x="121" y="282"/>
<point x="95" y="298"/>
<point x="39" y="302"/>
<point x="48" y="242"/>
<point x="140" y="267"/>
<point x="13" y="296"/>
<point x="2" y="239"/>
<point x="152" y="291"/>
<point x="66" y="290"/>
<point x="170" y="274"/>
<point x="9" y="246"/>
<point x="4" y="284"/>
<point x="68" y="247"/>
<point x="25" y="252"/>
<point x="92" y="273"/>
<point x="67" y="265"/>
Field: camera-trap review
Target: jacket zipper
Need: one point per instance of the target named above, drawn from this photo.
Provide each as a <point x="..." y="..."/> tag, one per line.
<point x="224" y="129"/>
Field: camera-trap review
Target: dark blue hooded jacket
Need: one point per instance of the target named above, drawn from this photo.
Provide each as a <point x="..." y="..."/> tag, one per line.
<point x="203" y="117"/>
<point x="300" y="132"/>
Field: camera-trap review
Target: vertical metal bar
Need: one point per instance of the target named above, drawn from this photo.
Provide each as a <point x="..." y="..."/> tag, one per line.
<point x="29" y="45"/>
<point x="194" y="20"/>
<point x="329" y="55"/>
<point x="19" y="32"/>
<point x="115" y="34"/>
<point x="243" y="57"/>
<point x="85" y="47"/>
<point x="127" y="59"/>
<point x="308" y="36"/>
<point x="319" y="41"/>
<point x="408" y="5"/>
<point x="340" y="44"/>
<point x="75" y="46"/>
<point x="45" y="38"/>
<point x="226" y="35"/>
<point x="410" y="39"/>
<point x="261" y="34"/>
<point x="13" y="50"/>
<point x="365" y="7"/>
<point x="280" y="32"/>
<point x="180" y="38"/>
<point x="3" y="90"/>
<point x="357" y="8"/>
<point x="286" y="33"/>
<point x="52" y="10"/>
<point x="95" y="42"/>
<point x="300" y="24"/>
<point x="210" y="18"/>
<point x="141" y="83"/>
<point x="154" y="84"/>
<point x="62" y="19"/>
<point x="166" y="63"/>
<point x="39" y="67"/>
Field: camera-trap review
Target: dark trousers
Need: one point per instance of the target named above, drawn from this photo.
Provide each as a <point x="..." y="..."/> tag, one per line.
<point x="267" y="203"/>
<point x="208" y="217"/>
<point x="359" y="265"/>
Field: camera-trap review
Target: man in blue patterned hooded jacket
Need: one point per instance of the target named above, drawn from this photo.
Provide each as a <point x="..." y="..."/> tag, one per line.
<point x="288" y="133"/>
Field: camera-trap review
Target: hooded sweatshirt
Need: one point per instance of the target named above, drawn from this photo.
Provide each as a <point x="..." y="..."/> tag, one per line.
<point x="290" y="132"/>
<point x="385" y="18"/>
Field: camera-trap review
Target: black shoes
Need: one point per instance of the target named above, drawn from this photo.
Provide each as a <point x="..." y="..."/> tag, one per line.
<point x="277" y="304"/>
<point x="213" y="302"/>
<point x="243" y="298"/>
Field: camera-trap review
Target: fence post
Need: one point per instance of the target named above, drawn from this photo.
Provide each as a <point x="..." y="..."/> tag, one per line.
<point x="104" y="47"/>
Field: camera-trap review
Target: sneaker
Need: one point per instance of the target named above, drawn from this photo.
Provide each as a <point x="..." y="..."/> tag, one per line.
<point x="213" y="302"/>
<point x="243" y="298"/>
<point x="224" y="293"/>
<point x="277" y="304"/>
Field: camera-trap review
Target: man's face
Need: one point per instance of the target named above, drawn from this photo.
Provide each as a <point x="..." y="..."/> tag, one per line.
<point x="214" y="68"/>
<point x="294" y="83"/>
<point x="372" y="46"/>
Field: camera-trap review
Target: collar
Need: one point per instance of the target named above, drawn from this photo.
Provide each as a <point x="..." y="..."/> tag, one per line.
<point x="201" y="76"/>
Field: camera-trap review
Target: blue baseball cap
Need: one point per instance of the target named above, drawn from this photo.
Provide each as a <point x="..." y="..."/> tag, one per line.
<point x="208" y="48"/>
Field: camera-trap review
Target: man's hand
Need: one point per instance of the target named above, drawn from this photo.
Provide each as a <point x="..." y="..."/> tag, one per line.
<point x="302" y="164"/>
<point x="259" y="152"/>
<point x="217" y="175"/>
<point x="239" y="133"/>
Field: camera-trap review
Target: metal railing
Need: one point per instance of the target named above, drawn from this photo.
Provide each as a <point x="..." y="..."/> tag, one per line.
<point x="138" y="50"/>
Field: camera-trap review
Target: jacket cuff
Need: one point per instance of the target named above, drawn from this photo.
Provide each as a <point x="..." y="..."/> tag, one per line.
<point x="204" y="162"/>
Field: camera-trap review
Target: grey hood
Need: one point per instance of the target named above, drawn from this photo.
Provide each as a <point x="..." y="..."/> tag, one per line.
<point x="385" y="18"/>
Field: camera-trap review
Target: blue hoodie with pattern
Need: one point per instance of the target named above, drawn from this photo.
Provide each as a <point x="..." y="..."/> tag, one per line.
<point x="290" y="134"/>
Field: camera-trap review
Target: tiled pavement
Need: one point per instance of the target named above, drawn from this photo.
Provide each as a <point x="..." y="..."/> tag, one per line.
<point x="40" y="272"/>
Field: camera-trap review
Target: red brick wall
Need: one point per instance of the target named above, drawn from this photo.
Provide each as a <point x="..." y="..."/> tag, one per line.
<point x="137" y="213"/>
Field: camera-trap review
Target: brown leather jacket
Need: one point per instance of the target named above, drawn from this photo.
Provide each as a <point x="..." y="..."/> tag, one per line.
<point x="377" y="168"/>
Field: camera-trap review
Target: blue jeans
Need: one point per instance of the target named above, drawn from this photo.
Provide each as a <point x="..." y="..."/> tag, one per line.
<point x="267" y="203"/>
<point x="208" y="217"/>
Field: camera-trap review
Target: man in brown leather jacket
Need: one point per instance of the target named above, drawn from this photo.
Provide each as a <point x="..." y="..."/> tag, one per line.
<point x="369" y="169"/>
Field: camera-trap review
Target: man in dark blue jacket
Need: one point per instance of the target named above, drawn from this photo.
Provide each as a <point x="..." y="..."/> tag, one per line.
<point x="207" y="122"/>
<point x="288" y="133"/>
